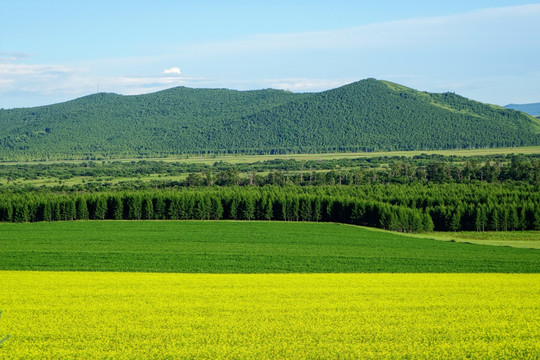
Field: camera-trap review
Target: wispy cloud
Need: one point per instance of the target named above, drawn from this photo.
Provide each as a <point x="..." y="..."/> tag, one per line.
<point x="35" y="70"/>
<point x="471" y="27"/>
<point x="9" y="57"/>
<point x="40" y="77"/>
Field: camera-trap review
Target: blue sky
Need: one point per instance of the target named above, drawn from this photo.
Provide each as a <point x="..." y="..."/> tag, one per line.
<point x="57" y="50"/>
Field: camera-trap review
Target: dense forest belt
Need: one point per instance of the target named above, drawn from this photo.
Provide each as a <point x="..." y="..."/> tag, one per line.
<point x="243" y="247"/>
<point x="407" y="208"/>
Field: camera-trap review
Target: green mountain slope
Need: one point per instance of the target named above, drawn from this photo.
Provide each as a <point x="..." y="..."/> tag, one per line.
<point x="364" y="116"/>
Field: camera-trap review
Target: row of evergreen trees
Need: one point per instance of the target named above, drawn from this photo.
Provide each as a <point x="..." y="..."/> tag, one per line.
<point x="235" y="204"/>
<point x="450" y="207"/>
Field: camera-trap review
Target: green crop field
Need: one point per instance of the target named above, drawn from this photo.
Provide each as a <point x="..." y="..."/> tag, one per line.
<point x="243" y="247"/>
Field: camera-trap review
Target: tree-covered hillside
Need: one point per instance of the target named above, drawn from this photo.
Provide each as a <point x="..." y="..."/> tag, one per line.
<point x="367" y="115"/>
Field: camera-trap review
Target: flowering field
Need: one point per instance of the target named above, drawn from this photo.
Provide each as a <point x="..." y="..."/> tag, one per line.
<point x="150" y="315"/>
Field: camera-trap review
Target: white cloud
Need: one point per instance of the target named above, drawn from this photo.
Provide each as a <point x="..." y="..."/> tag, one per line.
<point x="174" y="70"/>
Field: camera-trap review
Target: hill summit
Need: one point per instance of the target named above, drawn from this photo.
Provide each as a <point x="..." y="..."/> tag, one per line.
<point x="368" y="115"/>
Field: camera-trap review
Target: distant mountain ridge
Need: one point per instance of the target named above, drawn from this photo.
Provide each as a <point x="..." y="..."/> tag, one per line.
<point x="531" y="109"/>
<point x="367" y="115"/>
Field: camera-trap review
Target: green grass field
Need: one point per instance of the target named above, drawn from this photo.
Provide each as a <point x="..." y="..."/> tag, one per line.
<point x="243" y="247"/>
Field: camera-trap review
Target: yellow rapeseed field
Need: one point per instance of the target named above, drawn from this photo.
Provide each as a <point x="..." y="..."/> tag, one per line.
<point x="91" y="315"/>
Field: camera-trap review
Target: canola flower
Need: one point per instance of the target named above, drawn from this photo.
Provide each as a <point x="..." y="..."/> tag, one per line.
<point x="93" y="315"/>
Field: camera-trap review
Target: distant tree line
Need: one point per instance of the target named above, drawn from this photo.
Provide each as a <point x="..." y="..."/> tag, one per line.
<point x="447" y="207"/>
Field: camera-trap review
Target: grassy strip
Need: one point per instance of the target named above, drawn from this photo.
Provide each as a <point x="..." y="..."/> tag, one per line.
<point x="243" y="247"/>
<point x="518" y="239"/>
<point x="246" y="159"/>
<point x="73" y="315"/>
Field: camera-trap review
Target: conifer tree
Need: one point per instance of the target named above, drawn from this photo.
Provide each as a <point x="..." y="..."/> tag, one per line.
<point x="6" y="210"/>
<point x="81" y="208"/>
<point x="305" y="209"/>
<point x="503" y="218"/>
<point x="47" y="211"/>
<point x="455" y="222"/>
<point x="295" y="208"/>
<point x="100" y="212"/>
<point x="247" y="206"/>
<point x="147" y="208"/>
<point x="116" y="208"/>
<point x="513" y="219"/>
<point x="133" y="204"/>
<point x="427" y="223"/>
<point x="317" y="207"/>
<point x="480" y="221"/>
<point x="176" y="210"/>
<point x="20" y="212"/>
<point x="216" y="212"/>
<point x="160" y="207"/>
<point x="536" y="219"/>
<point x="56" y="210"/>
<point x="494" y="220"/>
<point x="233" y="209"/>
<point x="522" y="225"/>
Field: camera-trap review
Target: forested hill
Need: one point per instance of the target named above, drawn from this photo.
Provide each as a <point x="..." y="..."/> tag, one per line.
<point x="368" y="115"/>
